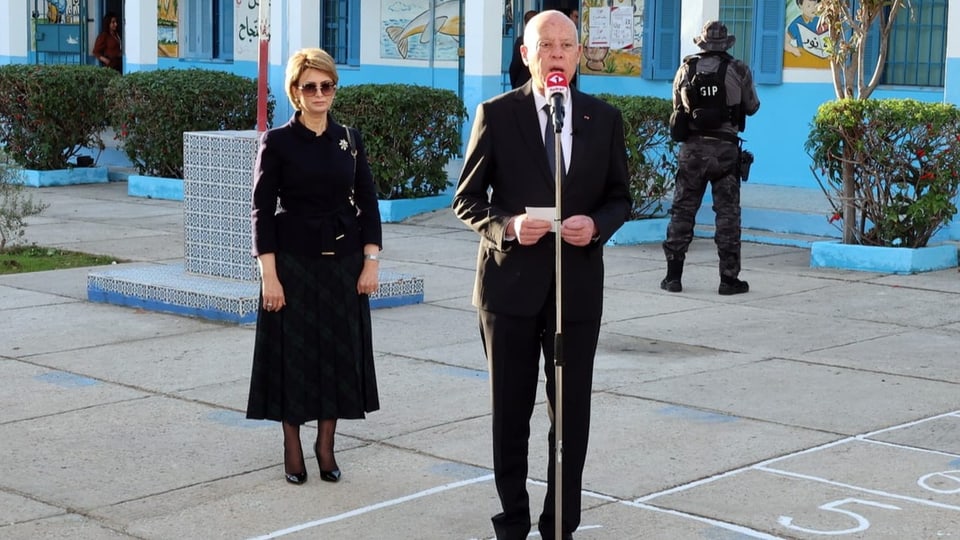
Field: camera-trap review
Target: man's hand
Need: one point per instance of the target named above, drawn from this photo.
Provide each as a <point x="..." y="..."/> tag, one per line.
<point x="529" y="230"/>
<point x="578" y="230"/>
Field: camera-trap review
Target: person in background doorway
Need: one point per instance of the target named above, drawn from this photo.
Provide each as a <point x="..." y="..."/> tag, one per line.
<point x="108" y="48"/>
<point x="519" y="74"/>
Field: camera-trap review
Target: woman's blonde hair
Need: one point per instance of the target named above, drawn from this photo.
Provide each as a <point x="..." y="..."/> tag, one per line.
<point x="302" y="60"/>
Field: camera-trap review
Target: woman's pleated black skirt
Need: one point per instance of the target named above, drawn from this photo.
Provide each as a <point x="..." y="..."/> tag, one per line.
<point x="313" y="359"/>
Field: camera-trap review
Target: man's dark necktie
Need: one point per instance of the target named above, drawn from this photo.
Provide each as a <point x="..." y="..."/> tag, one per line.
<point x="550" y="143"/>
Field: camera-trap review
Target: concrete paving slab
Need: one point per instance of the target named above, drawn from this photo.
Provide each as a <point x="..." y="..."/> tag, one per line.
<point x="407" y="387"/>
<point x="625" y="360"/>
<point x="929" y="476"/>
<point x="620" y="520"/>
<point x="63" y="391"/>
<point x="384" y="484"/>
<point x="806" y="395"/>
<point x="940" y="434"/>
<point x="70" y="284"/>
<point x="924" y="354"/>
<point x="47" y="329"/>
<point x="131" y="449"/>
<point x="441" y="282"/>
<point x="67" y="527"/>
<point x="13" y="298"/>
<point x="413" y="327"/>
<point x="19" y="509"/>
<point x="870" y="302"/>
<point x="789" y="507"/>
<point x="650" y="446"/>
<point x="745" y="328"/>
<point x="166" y="364"/>
<point x="947" y="281"/>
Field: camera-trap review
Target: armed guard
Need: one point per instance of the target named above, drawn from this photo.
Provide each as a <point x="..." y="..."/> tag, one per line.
<point x="713" y="93"/>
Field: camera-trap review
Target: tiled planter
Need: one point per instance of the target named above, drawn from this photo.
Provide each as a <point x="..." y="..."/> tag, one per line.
<point x="640" y="231"/>
<point x="891" y="260"/>
<point x="65" y="177"/>
<point x="155" y="187"/>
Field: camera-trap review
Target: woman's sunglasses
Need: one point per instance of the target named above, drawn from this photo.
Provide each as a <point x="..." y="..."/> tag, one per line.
<point x="310" y="89"/>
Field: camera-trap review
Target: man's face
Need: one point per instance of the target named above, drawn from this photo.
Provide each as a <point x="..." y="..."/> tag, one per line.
<point x="550" y="44"/>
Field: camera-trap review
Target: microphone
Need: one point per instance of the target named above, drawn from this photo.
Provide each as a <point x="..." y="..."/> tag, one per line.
<point x="557" y="88"/>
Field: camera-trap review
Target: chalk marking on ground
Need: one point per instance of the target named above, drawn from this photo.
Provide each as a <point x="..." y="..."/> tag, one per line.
<point x="373" y="507"/>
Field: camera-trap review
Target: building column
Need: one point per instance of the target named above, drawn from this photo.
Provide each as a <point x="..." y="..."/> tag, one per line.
<point x="293" y="26"/>
<point x="951" y="83"/>
<point x="15" y="41"/>
<point x="482" y="42"/>
<point x="140" y="36"/>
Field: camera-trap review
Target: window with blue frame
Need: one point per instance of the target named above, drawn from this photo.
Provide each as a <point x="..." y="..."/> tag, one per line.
<point x="759" y="28"/>
<point x="207" y="29"/>
<point x="336" y="35"/>
<point x="916" y="52"/>
<point x="661" y="39"/>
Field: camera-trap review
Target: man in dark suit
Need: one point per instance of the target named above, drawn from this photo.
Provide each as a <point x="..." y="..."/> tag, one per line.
<point x="515" y="283"/>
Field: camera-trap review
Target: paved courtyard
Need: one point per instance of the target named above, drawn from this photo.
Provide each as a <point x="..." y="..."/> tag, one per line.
<point x="823" y="404"/>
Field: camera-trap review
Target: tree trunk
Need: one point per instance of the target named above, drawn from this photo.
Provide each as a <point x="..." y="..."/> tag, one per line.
<point x="849" y="196"/>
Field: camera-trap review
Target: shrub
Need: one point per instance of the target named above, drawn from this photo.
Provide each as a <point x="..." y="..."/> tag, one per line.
<point x="152" y="110"/>
<point x="651" y="153"/>
<point x="15" y="206"/>
<point x="905" y="157"/>
<point x="410" y="133"/>
<point x="49" y="113"/>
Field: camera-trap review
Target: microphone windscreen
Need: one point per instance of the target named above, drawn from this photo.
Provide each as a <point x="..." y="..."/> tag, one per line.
<point x="556" y="83"/>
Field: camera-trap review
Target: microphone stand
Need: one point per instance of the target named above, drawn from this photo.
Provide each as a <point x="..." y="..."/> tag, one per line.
<point x="558" y="336"/>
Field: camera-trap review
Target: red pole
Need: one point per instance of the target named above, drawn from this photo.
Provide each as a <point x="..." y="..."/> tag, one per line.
<point x="263" y="64"/>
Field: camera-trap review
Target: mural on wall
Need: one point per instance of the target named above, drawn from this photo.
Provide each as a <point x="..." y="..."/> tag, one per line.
<point x="167" y="23"/>
<point x="63" y="11"/>
<point x="611" y="31"/>
<point x="805" y="39"/>
<point x="409" y="30"/>
<point x="246" y="41"/>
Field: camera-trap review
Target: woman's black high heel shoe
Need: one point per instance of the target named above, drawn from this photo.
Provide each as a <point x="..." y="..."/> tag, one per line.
<point x="295" y="478"/>
<point x="326" y="476"/>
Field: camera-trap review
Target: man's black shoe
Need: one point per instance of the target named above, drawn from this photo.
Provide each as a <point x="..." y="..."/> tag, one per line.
<point x="672" y="285"/>
<point x="734" y="286"/>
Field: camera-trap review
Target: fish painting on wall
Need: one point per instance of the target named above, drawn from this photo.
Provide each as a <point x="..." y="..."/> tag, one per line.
<point x="411" y="30"/>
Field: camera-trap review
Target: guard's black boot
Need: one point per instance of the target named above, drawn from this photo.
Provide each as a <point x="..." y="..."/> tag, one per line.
<point x="729" y="286"/>
<point x="672" y="283"/>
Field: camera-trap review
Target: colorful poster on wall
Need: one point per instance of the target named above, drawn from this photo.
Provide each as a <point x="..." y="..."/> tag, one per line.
<point x="612" y="34"/>
<point x="805" y="39"/>
<point x="420" y="29"/>
<point x="246" y="41"/>
<point x="167" y="21"/>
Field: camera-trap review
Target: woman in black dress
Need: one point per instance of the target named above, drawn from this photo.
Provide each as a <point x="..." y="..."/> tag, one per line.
<point x="316" y="236"/>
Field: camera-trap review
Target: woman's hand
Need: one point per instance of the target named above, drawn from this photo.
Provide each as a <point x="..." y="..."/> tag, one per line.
<point x="270" y="288"/>
<point x="369" y="277"/>
<point x="272" y="292"/>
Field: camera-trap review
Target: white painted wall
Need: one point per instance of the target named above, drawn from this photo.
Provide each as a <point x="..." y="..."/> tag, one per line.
<point x="482" y="34"/>
<point x="140" y="33"/>
<point x="15" y="41"/>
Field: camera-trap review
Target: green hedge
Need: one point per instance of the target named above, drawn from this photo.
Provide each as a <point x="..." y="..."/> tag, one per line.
<point x="50" y="113"/>
<point x="651" y="153"/>
<point x="905" y="159"/>
<point x="410" y="133"/>
<point x="152" y="110"/>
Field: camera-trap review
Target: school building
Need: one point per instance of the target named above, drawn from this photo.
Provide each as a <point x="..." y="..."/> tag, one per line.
<point x="630" y="47"/>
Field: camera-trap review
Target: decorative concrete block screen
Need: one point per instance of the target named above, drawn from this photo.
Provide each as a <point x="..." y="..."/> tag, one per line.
<point x="217" y="189"/>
